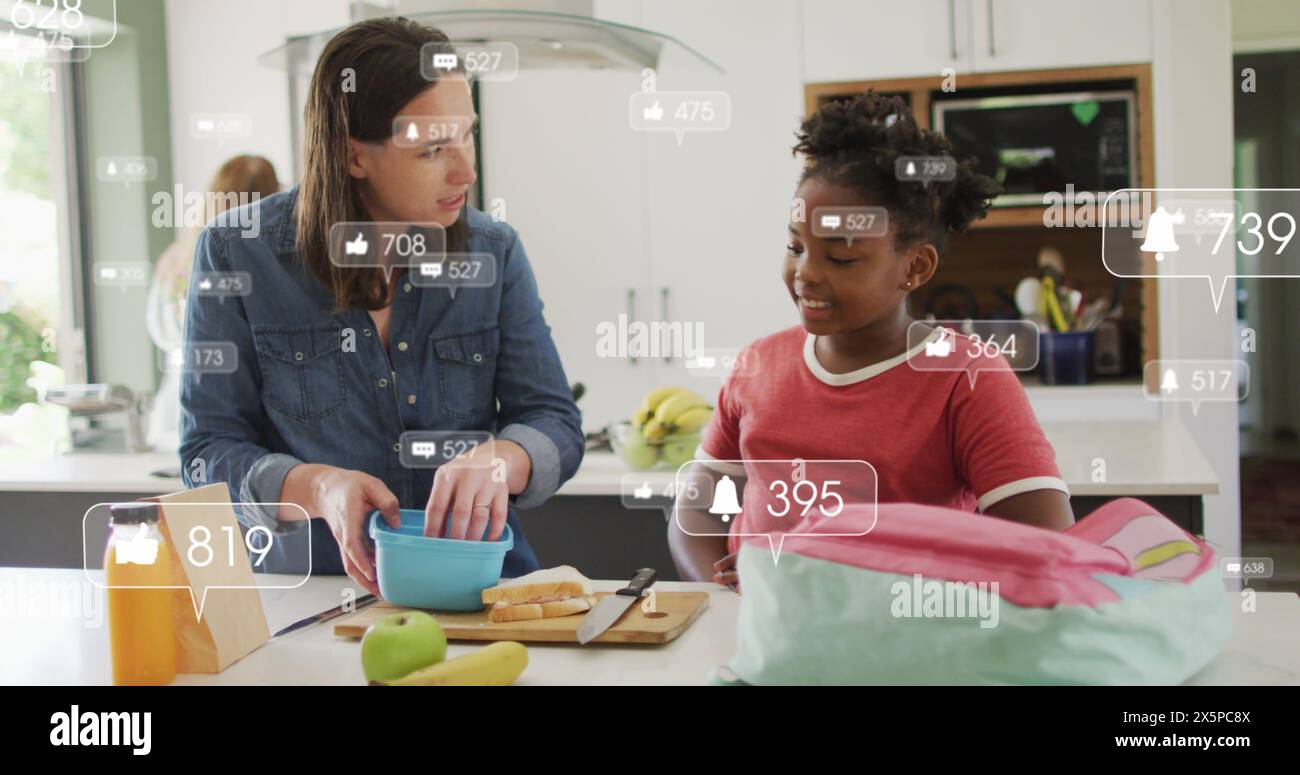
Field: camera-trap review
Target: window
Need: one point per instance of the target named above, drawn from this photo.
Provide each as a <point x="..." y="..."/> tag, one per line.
<point x="39" y="276"/>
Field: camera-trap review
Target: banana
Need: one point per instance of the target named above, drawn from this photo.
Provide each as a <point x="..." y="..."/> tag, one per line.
<point x="668" y="411"/>
<point x="498" y="664"/>
<point x="668" y="417"/>
<point x="692" y="420"/>
<point x="651" y="402"/>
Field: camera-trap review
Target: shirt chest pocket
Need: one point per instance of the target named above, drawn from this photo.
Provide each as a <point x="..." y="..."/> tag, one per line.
<point x="466" y="365"/>
<point x="302" y="369"/>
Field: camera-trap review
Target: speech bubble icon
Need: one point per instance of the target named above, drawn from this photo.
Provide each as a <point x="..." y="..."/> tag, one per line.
<point x="209" y="357"/>
<point x="221" y="285"/>
<point x="484" y="61"/>
<point x="850" y="223"/>
<point x="204" y="539"/>
<point x="430" y="449"/>
<point x="459" y="270"/>
<point x="126" y="169"/>
<point x="122" y="274"/>
<point x="718" y="362"/>
<point x="923" y="169"/>
<point x="1201" y="233"/>
<point x="679" y="112"/>
<point x="221" y="126"/>
<point x="778" y="498"/>
<point x="973" y="346"/>
<point x="1196" y="381"/>
<point x="386" y="245"/>
<point x="416" y="131"/>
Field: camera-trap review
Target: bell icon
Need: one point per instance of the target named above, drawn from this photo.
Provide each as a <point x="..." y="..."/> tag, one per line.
<point x="725" y="502"/>
<point x="413" y="134"/>
<point x="1160" y="233"/>
<point x="1169" y="383"/>
<point x="911" y="170"/>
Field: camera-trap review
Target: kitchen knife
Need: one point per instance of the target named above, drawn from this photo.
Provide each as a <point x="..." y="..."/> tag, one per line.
<point x="611" y="607"/>
<point x="325" y="616"/>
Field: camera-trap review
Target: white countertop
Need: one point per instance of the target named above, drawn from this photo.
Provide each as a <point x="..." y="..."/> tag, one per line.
<point x="62" y="650"/>
<point x="1142" y="458"/>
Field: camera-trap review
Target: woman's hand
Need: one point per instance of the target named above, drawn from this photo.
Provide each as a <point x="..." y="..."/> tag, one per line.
<point x="345" y="500"/>
<point x="476" y="489"/>
<point x="726" y="573"/>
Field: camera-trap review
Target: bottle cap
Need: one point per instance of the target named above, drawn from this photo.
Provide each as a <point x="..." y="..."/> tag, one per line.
<point x="133" y="513"/>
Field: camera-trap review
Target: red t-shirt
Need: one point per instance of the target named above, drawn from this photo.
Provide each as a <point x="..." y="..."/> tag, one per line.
<point x="930" y="436"/>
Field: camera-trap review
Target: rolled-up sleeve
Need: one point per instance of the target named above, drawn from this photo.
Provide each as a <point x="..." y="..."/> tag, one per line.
<point x="537" y="410"/>
<point x="222" y="418"/>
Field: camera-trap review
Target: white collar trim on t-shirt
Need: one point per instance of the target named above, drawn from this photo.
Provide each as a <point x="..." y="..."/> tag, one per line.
<point x="866" y="372"/>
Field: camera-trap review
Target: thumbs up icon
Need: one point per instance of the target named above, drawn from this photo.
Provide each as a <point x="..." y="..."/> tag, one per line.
<point x="356" y="247"/>
<point x="140" y="549"/>
<point x="654" y="112"/>
<point x="643" y="492"/>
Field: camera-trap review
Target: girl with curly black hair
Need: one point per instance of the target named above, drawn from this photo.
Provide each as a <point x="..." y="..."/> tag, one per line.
<point x="842" y="386"/>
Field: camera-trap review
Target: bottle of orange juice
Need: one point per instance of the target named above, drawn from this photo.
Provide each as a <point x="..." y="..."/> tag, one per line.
<point x="137" y="570"/>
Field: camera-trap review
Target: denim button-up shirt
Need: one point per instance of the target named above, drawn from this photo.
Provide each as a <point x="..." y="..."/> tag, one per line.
<point x="309" y="385"/>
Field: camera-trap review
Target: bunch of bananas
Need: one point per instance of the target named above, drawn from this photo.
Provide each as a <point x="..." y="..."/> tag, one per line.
<point x="667" y="426"/>
<point x="671" y="411"/>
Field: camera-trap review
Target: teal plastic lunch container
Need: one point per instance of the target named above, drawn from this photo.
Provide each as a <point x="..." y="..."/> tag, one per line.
<point x="437" y="573"/>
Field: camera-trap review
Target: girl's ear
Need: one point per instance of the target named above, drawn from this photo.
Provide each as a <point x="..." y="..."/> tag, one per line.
<point x="358" y="156"/>
<point x="921" y="266"/>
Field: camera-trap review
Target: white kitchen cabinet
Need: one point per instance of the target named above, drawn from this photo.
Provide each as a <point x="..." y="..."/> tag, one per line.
<point x="1031" y="34"/>
<point x="854" y="40"/>
<point x="604" y="210"/>
<point x="557" y="152"/>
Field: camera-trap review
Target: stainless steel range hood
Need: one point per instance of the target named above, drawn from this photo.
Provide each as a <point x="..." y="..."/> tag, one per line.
<point x="546" y="40"/>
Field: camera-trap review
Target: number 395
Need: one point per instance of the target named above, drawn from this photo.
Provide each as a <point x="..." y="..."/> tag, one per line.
<point x="784" y="492"/>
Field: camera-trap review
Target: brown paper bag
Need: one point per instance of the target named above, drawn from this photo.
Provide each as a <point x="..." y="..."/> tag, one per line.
<point x="233" y="622"/>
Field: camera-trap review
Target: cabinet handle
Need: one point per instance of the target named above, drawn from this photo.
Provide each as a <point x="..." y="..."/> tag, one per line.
<point x="988" y="5"/>
<point x="663" y="315"/>
<point x="952" y="28"/>
<point x="631" y="316"/>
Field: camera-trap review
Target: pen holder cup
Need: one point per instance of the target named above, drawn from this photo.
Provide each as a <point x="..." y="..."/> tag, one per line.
<point x="1066" y="357"/>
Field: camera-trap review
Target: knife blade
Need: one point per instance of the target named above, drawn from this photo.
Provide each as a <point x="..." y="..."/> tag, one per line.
<point x="611" y="607"/>
<point x="325" y="616"/>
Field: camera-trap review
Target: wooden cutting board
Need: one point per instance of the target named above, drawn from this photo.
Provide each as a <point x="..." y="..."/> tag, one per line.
<point x="674" y="612"/>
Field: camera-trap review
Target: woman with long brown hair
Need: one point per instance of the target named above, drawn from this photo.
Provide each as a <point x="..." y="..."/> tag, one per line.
<point x="342" y="351"/>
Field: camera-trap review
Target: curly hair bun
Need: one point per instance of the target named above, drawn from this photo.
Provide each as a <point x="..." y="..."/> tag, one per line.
<point x="855" y="143"/>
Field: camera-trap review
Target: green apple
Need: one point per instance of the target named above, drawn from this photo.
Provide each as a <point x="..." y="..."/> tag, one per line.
<point x="678" y="452"/>
<point x="639" y="453"/>
<point x="400" y="644"/>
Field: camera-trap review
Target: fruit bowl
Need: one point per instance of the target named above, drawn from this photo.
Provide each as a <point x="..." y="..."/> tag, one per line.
<point x="640" y="455"/>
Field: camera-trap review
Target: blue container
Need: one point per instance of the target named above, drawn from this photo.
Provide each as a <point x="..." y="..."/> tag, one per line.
<point x="1066" y="357"/>
<point x="438" y="573"/>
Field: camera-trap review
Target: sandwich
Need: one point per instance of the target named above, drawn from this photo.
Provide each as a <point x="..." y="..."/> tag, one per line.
<point x="543" y="594"/>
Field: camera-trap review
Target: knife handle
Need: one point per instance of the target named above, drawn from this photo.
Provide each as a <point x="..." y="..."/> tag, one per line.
<point x="639" y="583"/>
